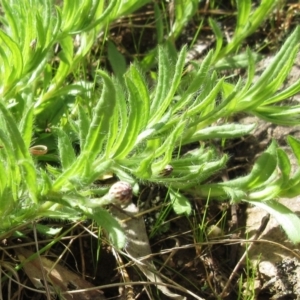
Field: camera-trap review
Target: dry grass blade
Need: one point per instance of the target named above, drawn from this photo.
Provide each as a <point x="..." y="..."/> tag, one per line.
<point x="4" y="267"/>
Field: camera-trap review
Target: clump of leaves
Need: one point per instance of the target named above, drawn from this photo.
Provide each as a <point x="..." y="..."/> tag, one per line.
<point x="124" y="126"/>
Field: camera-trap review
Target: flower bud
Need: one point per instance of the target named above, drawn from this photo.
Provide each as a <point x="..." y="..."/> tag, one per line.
<point x="120" y="193"/>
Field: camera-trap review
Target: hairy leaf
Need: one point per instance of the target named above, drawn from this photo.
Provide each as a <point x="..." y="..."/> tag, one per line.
<point x="289" y="221"/>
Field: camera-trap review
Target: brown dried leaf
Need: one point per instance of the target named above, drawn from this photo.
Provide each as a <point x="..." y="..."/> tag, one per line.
<point x="59" y="277"/>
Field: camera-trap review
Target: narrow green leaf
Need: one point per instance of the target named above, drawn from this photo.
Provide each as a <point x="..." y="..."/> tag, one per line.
<point x="200" y="104"/>
<point x="282" y="115"/>
<point x="290" y="91"/>
<point x="260" y="14"/>
<point x="212" y="167"/>
<point x="212" y="111"/>
<point x="261" y="172"/>
<point x="4" y="176"/>
<point x="142" y="89"/>
<point x="45" y="184"/>
<point x="248" y="25"/>
<point x="222" y="131"/>
<point x="295" y="145"/>
<point x="143" y="170"/>
<point x="112" y="134"/>
<point x="16" y="55"/>
<point x="288" y="220"/>
<point x="219" y="37"/>
<point x="282" y="58"/>
<point x="117" y="61"/>
<point x="129" y="7"/>
<point x="7" y="195"/>
<point x="164" y="103"/>
<point x="96" y="135"/>
<point x="111" y="225"/>
<point x="103" y="15"/>
<point x="168" y="146"/>
<point x="201" y="75"/>
<point x="263" y="167"/>
<point x="220" y="192"/>
<point x="15" y="58"/>
<point x="17" y="141"/>
<point x="240" y="60"/>
<point x="135" y="120"/>
<point x="284" y="165"/>
<point x="83" y="15"/>
<point x="68" y="14"/>
<point x="10" y="17"/>
<point x="26" y="126"/>
<point x="159" y="26"/>
<point x="153" y="130"/>
<point x="29" y="175"/>
<point x="66" y="59"/>
<point x="244" y="9"/>
<point x="5" y="67"/>
<point x="252" y="57"/>
<point x="196" y="174"/>
<point x="13" y="175"/>
<point x="103" y="112"/>
<point x="122" y="111"/>
<point x="57" y="20"/>
<point x="83" y="124"/>
<point x="41" y="31"/>
<point x="292" y="188"/>
<point x="162" y="81"/>
<point x="266" y="193"/>
<point x="65" y="148"/>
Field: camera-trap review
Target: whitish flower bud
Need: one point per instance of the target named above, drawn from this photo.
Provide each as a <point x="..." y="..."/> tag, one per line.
<point x="120" y="193"/>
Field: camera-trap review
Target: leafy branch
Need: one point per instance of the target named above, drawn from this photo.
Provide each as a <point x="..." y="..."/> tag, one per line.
<point x="124" y="126"/>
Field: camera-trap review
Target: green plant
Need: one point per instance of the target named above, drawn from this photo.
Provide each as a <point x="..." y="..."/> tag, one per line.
<point x="125" y="126"/>
<point x="38" y="56"/>
<point x="248" y="20"/>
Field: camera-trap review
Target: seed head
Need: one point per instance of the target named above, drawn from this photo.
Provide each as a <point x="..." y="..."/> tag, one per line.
<point x="120" y="193"/>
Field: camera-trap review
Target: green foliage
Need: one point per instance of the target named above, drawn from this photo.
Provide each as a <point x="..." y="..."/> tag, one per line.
<point x="247" y="22"/>
<point x="269" y="179"/>
<point x="183" y="12"/>
<point x="122" y="125"/>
